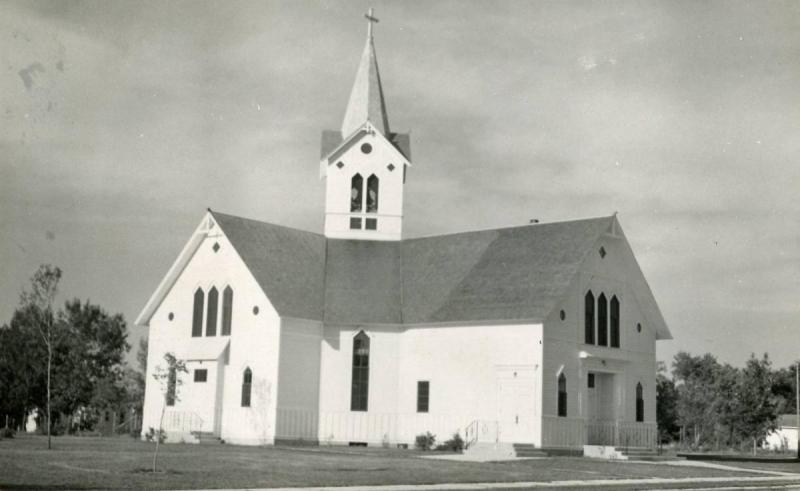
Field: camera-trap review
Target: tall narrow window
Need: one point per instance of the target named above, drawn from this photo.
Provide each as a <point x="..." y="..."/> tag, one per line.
<point x="614" y="322"/>
<point x="602" y="320"/>
<point x="639" y="403"/>
<point x="372" y="194"/>
<point x="356" y="193"/>
<point x="172" y="382"/>
<point x="247" y="384"/>
<point x="562" y="395"/>
<point x="197" y="315"/>
<point x="588" y="307"/>
<point x="227" y="310"/>
<point x="211" y="317"/>
<point x="360" y="388"/>
<point x="423" y="396"/>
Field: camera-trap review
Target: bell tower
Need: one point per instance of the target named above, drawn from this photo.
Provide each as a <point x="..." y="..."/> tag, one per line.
<point x="364" y="164"/>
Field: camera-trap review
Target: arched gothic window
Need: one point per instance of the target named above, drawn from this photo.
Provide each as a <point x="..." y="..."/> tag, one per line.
<point x="602" y="320"/>
<point x="372" y="194"/>
<point x="614" y="322"/>
<point x="197" y="314"/>
<point x="356" y="193"/>
<point x="588" y="307"/>
<point x="639" y="403"/>
<point x="211" y="316"/>
<point x="360" y="386"/>
<point x="227" y="310"/>
<point x="562" y="395"/>
<point x="172" y="382"/>
<point x="247" y="384"/>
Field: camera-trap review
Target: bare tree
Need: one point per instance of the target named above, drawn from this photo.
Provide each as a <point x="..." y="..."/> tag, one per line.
<point x="40" y="297"/>
<point x="169" y="381"/>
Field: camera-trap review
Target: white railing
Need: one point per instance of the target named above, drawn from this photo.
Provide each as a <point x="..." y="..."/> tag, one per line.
<point x="621" y="433"/>
<point x="560" y="432"/>
<point x="182" y="421"/>
<point x="336" y="427"/>
<point x="481" y="431"/>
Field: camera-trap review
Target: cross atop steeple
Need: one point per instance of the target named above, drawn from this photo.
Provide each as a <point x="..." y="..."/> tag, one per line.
<point x="371" y="19"/>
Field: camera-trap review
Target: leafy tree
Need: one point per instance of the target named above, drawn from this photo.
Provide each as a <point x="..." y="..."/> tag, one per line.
<point x="695" y="381"/>
<point x="22" y="367"/>
<point x="666" y="404"/>
<point x="38" y="302"/>
<point x="757" y="405"/>
<point x="168" y="380"/>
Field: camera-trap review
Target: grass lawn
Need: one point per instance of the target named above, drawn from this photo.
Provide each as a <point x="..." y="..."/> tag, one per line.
<point x="107" y="463"/>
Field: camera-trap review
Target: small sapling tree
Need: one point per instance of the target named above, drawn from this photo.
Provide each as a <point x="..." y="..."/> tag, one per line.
<point x="169" y="381"/>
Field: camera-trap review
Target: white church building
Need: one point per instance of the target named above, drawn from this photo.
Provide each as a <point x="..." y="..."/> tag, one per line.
<point x="540" y="334"/>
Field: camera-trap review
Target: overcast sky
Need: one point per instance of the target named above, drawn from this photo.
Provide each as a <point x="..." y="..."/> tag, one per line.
<point x="122" y="122"/>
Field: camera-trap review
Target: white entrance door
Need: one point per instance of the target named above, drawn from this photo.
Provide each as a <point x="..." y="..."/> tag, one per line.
<point x="516" y="409"/>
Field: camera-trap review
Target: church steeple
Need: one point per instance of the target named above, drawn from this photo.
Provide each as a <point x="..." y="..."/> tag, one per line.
<point x="366" y="99"/>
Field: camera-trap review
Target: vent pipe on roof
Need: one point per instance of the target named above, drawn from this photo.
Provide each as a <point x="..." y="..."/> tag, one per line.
<point x="533" y="220"/>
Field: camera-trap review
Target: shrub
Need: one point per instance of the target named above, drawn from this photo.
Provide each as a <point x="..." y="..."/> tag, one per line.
<point x="455" y="444"/>
<point x="150" y="436"/>
<point x="7" y="433"/>
<point x="425" y="441"/>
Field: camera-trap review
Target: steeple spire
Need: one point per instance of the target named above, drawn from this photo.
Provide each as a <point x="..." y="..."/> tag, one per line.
<point x="366" y="99"/>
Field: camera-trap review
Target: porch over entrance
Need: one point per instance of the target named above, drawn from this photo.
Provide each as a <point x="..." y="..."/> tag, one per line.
<point x="560" y="432"/>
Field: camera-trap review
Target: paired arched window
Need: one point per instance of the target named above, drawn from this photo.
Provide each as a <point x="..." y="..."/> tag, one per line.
<point x="614" y="322"/>
<point x="589" y="318"/>
<point x="197" y="314"/>
<point x="602" y="320"/>
<point x="211" y="316"/>
<point x="247" y="385"/>
<point x="227" y="310"/>
<point x="356" y="193"/>
<point x="562" y="395"/>
<point x="359" y="393"/>
<point x="639" y="403"/>
<point x="172" y="382"/>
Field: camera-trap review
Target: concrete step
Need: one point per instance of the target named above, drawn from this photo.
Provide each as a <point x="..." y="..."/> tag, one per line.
<point x="528" y="450"/>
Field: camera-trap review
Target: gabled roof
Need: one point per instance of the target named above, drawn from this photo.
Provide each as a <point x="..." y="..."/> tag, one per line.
<point x="332" y="140"/>
<point x="287" y="263"/>
<point x="509" y="274"/>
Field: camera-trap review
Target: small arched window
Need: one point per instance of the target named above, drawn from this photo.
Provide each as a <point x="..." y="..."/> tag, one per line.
<point x="227" y="310"/>
<point x="372" y="194"/>
<point x="639" y="403"/>
<point x="588" y="320"/>
<point x="614" y="322"/>
<point x="359" y="393"/>
<point x="247" y="385"/>
<point x="172" y="382"/>
<point x="562" y="395"/>
<point x="356" y="193"/>
<point x="211" y="316"/>
<point x="602" y="320"/>
<point x="197" y="314"/>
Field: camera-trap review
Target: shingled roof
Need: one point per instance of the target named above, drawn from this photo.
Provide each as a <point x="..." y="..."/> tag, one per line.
<point x="514" y="273"/>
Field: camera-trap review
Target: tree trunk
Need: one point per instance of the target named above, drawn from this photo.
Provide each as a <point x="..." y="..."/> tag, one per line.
<point x="158" y="432"/>
<point x="754" y="446"/>
<point x="49" y="362"/>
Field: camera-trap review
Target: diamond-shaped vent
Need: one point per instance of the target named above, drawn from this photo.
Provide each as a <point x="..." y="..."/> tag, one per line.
<point x="216" y="246"/>
<point x="390" y="167"/>
<point x="602" y="251"/>
<point x="339" y="164"/>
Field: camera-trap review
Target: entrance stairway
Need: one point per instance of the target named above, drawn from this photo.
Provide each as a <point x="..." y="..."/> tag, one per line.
<point x="207" y="438"/>
<point x="642" y="453"/>
<point x="525" y="450"/>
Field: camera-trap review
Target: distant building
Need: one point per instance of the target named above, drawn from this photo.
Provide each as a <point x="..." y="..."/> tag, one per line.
<point x="542" y="334"/>
<point x="785" y="435"/>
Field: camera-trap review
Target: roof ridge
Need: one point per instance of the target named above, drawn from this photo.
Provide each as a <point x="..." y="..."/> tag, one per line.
<point x="215" y="213"/>
<point x="510" y="227"/>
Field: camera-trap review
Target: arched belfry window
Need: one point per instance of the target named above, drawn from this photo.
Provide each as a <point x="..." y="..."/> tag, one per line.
<point x="602" y="320"/>
<point x="356" y="193"/>
<point x="211" y="317"/>
<point x="588" y="307"/>
<point x="197" y="314"/>
<point x="562" y="395"/>
<point x="247" y="385"/>
<point x="614" y="322"/>
<point x="639" y="403"/>
<point x="360" y="387"/>
<point x="372" y="194"/>
<point x="227" y="310"/>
